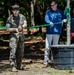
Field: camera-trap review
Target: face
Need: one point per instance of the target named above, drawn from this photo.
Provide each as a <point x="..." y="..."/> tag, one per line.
<point x="53" y="6"/>
<point x="15" y="12"/>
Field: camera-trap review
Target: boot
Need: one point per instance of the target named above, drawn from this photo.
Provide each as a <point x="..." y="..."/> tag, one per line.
<point x="71" y="71"/>
<point x="20" y="67"/>
<point x="14" y="69"/>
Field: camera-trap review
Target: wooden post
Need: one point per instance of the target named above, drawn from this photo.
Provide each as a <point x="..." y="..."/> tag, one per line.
<point x="68" y="24"/>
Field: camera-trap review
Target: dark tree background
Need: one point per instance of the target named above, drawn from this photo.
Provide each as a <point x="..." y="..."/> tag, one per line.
<point x="34" y="10"/>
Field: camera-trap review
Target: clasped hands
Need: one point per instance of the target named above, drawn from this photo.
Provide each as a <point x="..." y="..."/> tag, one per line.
<point x="19" y="29"/>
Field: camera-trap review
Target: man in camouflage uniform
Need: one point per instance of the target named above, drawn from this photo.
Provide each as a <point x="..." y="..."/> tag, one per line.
<point x="15" y="24"/>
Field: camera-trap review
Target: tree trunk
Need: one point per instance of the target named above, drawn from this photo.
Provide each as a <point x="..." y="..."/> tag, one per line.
<point x="68" y="24"/>
<point x="32" y="13"/>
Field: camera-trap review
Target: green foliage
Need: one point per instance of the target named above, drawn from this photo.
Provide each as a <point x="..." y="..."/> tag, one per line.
<point x="22" y="10"/>
<point x="25" y="7"/>
<point x="1" y="38"/>
<point x="1" y="22"/>
<point x="62" y="3"/>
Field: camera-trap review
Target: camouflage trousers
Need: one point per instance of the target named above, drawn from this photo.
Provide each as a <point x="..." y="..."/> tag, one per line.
<point x="17" y="50"/>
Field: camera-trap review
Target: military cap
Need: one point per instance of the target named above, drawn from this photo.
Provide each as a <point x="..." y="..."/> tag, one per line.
<point x="15" y="7"/>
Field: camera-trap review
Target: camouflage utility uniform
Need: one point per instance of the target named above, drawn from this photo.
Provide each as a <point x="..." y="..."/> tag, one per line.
<point x="16" y="40"/>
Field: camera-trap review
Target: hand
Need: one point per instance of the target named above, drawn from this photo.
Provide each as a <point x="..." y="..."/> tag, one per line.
<point x="19" y="28"/>
<point x="72" y="34"/>
<point x="24" y="25"/>
<point x="64" y="20"/>
<point x="16" y="30"/>
<point x="51" y="23"/>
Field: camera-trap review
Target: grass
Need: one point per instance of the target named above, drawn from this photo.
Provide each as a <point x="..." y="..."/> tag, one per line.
<point x="36" y="69"/>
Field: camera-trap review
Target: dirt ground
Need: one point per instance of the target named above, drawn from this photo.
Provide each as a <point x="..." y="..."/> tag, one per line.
<point x="33" y="59"/>
<point x="36" y="69"/>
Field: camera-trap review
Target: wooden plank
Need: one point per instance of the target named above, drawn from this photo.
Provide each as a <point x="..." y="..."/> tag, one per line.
<point x="3" y="31"/>
<point x="3" y="47"/>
